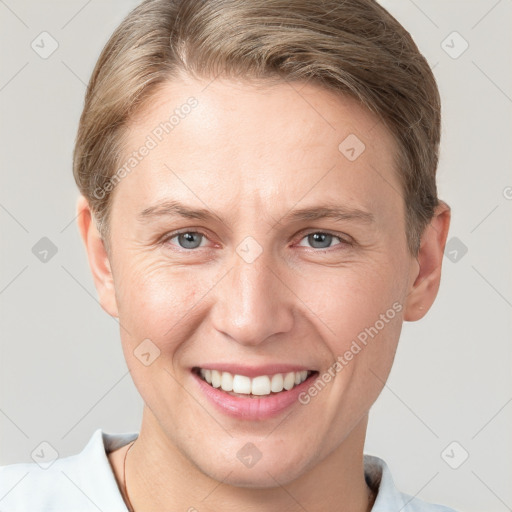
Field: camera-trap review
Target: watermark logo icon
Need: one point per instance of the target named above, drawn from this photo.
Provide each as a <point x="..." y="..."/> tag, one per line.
<point x="146" y="352"/>
<point x="455" y="249"/>
<point x="44" y="455"/>
<point x="454" y="45"/>
<point x="44" y="250"/>
<point x="249" y="455"/>
<point x="352" y="147"/>
<point x="249" y="249"/>
<point x="44" y="45"/>
<point x="455" y="455"/>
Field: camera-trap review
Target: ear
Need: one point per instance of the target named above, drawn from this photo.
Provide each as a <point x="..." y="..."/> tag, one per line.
<point x="99" y="262"/>
<point x="427" y="277"/>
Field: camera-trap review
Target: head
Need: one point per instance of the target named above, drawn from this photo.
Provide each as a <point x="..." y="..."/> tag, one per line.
<point x="242" y="123"/>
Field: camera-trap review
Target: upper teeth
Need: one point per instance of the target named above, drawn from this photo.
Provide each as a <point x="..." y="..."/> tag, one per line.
<point x="261" y="385"/>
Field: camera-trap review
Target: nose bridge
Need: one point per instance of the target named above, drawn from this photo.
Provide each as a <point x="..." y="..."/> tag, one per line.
<point x="253" y="303"/>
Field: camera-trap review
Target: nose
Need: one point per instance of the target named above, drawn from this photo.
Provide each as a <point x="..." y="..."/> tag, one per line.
<point x="252" y="302"/>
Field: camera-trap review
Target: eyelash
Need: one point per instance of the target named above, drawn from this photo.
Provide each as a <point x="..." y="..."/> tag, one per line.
<point x="343" y="241"/>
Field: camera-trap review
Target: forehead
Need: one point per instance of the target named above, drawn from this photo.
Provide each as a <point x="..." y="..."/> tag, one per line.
<point x="258" y="144"/>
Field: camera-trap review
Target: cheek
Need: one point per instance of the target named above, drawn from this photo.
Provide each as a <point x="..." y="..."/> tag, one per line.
<point x="370" y="322"/>
<point x="158" y="301"/>
<point x="348" y="300"/>
<point x="160" y="304"/>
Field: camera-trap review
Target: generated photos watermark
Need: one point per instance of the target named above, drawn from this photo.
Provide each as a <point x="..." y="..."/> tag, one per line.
<point x="152" y="140"/>
<point x="344" y="359"/>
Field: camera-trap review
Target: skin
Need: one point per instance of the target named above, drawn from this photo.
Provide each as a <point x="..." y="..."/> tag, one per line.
<point x="251" y="154"/>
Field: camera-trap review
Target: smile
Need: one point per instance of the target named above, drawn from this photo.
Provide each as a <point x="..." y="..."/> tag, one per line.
<point x="260" y="385"/>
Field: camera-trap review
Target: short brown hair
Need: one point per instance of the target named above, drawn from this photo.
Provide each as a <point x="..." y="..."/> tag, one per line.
<point x="354" y="47"/>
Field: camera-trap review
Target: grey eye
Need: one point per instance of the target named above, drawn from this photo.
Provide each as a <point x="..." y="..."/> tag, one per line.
<point x="320" y="240"/>
<point x="189" y="239"/>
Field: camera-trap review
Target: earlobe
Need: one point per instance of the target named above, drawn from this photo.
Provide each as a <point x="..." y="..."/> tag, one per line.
<point x="97" y="255"/>
<point x="427" y="276"/>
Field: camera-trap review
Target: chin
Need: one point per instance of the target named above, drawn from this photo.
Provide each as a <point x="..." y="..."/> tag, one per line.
<point x="264" y="474"/>
<point x="260" y="479"/>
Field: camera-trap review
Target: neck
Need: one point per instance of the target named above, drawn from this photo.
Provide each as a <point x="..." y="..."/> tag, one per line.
<point x="160" y="477"/>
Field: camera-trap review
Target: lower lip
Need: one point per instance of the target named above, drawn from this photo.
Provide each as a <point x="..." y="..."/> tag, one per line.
<point x="260" y="408"/>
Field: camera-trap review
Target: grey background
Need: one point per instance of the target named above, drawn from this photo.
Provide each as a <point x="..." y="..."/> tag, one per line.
<point x="62" y="372"/>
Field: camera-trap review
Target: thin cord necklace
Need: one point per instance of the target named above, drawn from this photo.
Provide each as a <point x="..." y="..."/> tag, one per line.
<point x="130" y="506"/>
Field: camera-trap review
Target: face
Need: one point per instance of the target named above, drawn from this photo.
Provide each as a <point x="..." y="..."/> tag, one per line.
<point x="225" y="257"/>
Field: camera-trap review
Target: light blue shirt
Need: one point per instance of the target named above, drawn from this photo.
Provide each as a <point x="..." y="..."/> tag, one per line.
<point x="85" y="482"/>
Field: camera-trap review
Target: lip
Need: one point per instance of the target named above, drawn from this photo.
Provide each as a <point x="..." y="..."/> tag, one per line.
<point x="259" y="408"/>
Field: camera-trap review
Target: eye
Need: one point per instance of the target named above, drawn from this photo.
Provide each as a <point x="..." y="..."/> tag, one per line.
<point x="322" y="240"/>
<point x="187" y="239"/>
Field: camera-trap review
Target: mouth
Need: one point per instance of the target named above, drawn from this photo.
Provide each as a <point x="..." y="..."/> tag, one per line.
<point x="257" y="386"/>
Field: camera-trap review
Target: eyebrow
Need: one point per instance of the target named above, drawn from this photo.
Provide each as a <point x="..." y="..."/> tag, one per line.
<point x="172" y="208"/>
<point x="337" y="212"/>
